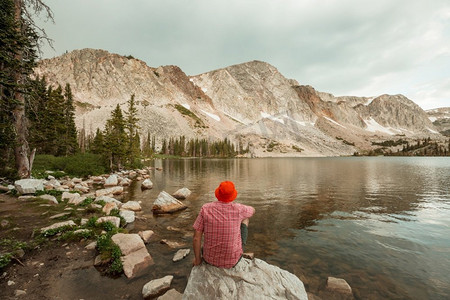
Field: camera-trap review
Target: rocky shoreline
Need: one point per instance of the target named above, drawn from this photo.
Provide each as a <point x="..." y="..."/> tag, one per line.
<point x="92" y="216"/>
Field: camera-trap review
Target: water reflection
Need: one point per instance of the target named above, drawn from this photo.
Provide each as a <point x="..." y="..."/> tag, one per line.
<point x="380" y="223"/>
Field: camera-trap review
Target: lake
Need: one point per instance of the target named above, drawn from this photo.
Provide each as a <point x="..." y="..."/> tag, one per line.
<point x="381" y="223"/>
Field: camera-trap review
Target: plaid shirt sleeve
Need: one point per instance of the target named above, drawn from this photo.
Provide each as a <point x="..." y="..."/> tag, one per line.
<point x="246" y="211"/>
<point x="198" y="224"/>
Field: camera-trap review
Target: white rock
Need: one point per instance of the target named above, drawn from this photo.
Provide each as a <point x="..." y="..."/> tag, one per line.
<point x="249" y="279"/>
<point x="116" y="190"/>
<point x="128" y="215"/>
<point x="81" y="188"/>
<point x="125" y="182"/>
<point x="18" y="293"/>
<point x="69" y="196"/>
<point x="112" y="219"/>
<point x="83" y="221"/>
<point x="182" y="193"/>
<point x="182" y="253"/>
<point x="58" y="225"/>
<point x="146" y="184"/>
<point x="171" y="294"/>
<point x="91" y="246"/>
<point x="49" y="198"/>
<point x="146" y="235"/>
<point x="76" y="180"/>
<point x="107" y="199"/>
<point x="157" y="286"/>
<point x="135" y="262"/>
<point x="10" y="283"/>
<point x="132" y="205"/>
<point x="108" y="207"/>
<point x="128" y="243"/>
<point x="79" y="231"/>
<point x="338" y="285"/>
<point x="111" y="181"/>
<point x="29" y="186"/>
<point x="165" y="203"/>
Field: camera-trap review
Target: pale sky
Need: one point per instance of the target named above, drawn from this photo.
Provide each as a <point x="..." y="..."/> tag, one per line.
<point x="344" y="47"/>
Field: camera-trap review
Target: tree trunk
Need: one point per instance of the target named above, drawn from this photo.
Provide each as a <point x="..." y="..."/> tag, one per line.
<point x="21" y="148"/>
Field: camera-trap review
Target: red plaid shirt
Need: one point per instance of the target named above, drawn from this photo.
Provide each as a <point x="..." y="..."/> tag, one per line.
<point x="221" y="225"/>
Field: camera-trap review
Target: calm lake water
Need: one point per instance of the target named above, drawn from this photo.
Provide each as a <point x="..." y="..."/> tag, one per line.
<point x="381" y="223"/>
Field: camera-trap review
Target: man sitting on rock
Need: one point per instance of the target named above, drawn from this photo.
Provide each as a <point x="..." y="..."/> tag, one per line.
<point x="224" y="226"/>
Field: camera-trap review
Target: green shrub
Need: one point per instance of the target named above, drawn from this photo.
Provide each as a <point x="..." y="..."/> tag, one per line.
<point x="110" y="251"/>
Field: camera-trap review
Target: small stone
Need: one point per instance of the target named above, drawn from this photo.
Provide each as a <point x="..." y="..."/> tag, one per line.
<point x="59" y="215"/>
<point x="112" y="219"/>
<point x="91" y="246"/>
<point x="109" y="207"/>
<point x="49" y="198"/>
<point x="18" y="293"/>
<point x="147" y="184"/>
<point x="182" y="193"/>
<point x="10" y="283"/>
<point x="172" y="244"/>
<point x="171" y="294"/>
<point x="146" y="235"/>
<point x="132" y="205"/>
<point x="58" y="225"/>
<point x="83" y="221"/>
<point x="111" y="181"/>
<point x="157" y="286"/>
<point x="128" y="215"/>
<point x="249" y="255"/>
<point x="338" y="285"/>
<point x="182" y="253"/>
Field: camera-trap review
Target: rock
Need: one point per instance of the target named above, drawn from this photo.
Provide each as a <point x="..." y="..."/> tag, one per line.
<point x="29" y="186"/>
<point x="128" y="243"/>
<point x="81" y="188"/>
<point x="97" y="178"/>
<point x="338" y="286"/>
<point x="139" y="178"/>
<point x="70" y="196"/>
<point x="167" y="204"/>
<point x="116" y="190"/>
<point x="108" y="207"/>
<point x="112" y="180"/>
<point x="135" y="262"/>
<point x="76" y="180"/>
<point x="157" y="287"/>
<point x="11" y="187"/>
<point x="182" y="253"/>
<point x="83" y="221"/>
<point x="125" y="182"/>
<point x="58" y="225"/>
<point x="10" y="283"/>
<point x="182" y="193"/>
<point x="114" y="220"/>
<point x="4" y="188"/>
<point x="146" y="235"/>
<point x="132" y="205"/>
<point x="4" y="223"/>
<point x="18" y="293"/>
<point x="249" y="279"/>
<point x="128" y="215"/>
<point x="22" y="198"/>
<point x="49" y="198"/>
<point x="172" y="244"/>
<point x="91" y="246"/>
<point x="146" y="184"/>
<point x="171" y="294"/>
<point x="19" y="253"/>
<point x="60" y="215"/>
<point x="94" y="206"/>
<point x="80" y="231"/>
<point x="107" y="199"/>
<point x="249" y="255"/>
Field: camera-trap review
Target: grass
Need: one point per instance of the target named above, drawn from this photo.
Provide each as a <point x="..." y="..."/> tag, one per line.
<point x="184" y="111"/>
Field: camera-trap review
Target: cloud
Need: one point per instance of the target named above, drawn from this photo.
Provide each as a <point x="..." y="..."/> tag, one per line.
<point x="339" y="46"/>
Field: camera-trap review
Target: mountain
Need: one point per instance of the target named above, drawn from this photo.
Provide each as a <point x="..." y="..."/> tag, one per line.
<point x="250" y="103"/>
<point x="441" y="119"/>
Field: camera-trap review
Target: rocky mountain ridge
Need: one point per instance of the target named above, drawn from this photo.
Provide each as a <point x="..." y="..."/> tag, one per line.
<point x="250" y="103"/>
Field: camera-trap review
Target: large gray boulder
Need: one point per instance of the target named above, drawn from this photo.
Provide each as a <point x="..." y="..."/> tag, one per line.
<point x="165" y="203"/>
<point x="249" y="279"/>
<point x="112" y="180"/>
<point x="29" y="186"/>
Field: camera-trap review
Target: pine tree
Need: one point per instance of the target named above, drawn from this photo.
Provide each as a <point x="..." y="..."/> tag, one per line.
<point x="116" y="139"/>
<point x="133" y="146"/>
<point x="70" y="134"/>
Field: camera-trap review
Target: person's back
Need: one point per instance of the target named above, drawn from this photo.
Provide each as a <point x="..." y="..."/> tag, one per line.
<point x="220" y="223"/>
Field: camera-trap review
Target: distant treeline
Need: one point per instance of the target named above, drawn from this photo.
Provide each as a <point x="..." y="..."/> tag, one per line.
<point x="421" y="147"/>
